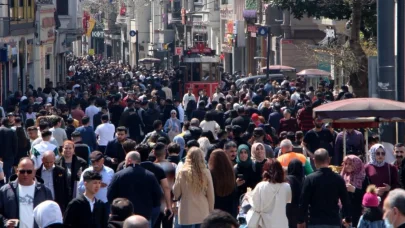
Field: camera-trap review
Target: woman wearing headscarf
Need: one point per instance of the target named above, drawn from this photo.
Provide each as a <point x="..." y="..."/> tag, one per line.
<point x="354" y="175"/>
<point x="295" y="178"/>
<point x="259" y="159"/>
<point x="244" y="170"/>
<point x="383" y="175"/>
<point x="173" y="125"/>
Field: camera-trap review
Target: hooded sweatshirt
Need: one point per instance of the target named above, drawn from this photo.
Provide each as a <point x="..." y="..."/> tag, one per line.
<point x="47" y="213"/>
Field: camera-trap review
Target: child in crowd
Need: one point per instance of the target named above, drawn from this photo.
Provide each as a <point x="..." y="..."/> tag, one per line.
<point x="372" y="216"/>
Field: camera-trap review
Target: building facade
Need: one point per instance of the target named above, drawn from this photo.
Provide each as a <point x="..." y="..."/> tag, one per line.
<point x="17" y="34"/>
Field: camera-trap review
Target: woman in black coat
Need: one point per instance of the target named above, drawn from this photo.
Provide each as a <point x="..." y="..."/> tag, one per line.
<point x="74" y="166"/>
<point x="244" y="170"/>
<point x="295" y="178"/>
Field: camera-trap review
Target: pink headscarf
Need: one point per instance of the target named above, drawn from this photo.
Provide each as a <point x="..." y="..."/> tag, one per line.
<point x="356" y="177"/>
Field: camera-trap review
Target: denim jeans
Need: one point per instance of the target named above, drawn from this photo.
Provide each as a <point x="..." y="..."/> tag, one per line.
<point x="155" y="216"/>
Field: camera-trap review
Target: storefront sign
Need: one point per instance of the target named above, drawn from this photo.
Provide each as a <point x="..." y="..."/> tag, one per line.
<point x="252" y="28"/>
<point x="226" y="12"/>
<point x="178" y="51"/>
<point x="229" y="27"/>
<point x="226" y="48"/>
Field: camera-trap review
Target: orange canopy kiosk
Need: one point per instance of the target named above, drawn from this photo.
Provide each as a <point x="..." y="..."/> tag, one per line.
<point x="201" y="69"/>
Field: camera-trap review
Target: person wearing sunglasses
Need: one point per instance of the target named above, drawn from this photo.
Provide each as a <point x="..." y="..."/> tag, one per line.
<point x="18" y="211"/>
<point x="380" y="173"/>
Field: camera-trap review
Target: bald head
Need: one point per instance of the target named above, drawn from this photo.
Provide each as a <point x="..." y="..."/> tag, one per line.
<point x="48" y="159"/>
<point x="321" y="158"/>
<point x="136" y="221"/>
<point x="132" y="157"/>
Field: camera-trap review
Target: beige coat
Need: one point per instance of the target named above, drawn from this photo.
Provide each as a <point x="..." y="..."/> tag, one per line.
<point x="194" y="207"/>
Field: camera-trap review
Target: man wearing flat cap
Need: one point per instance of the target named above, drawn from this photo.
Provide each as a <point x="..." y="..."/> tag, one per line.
<point x="97" y="165"/>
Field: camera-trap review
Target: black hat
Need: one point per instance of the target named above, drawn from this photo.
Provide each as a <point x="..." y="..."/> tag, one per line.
<point x="259" y="132"/>
<point x="96" y="155"/>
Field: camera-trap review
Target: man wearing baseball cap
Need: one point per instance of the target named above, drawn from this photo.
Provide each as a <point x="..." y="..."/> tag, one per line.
<point x="97" y="165"/>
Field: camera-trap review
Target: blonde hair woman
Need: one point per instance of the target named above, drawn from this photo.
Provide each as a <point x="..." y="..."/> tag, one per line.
<point x="195" y="188"/>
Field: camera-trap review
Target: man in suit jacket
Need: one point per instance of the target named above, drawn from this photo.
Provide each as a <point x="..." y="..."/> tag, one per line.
<point x="55" y="178"/>
<point x="87" y="211"/>
<point x="9" y="145"/>
<point x="141" y="186"/>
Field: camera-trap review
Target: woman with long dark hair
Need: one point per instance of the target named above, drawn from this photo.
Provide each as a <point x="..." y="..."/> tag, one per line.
<point x="223" y="178"/>
<point x="295" y="177"/>
<point x="269" y="197"/>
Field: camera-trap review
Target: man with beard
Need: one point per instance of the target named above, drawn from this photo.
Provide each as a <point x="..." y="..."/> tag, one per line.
<point x="317" y="138"/>
<point x="399" y="151"/>
<point x="114" y="153"/>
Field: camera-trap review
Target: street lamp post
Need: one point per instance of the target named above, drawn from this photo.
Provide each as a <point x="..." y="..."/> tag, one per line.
<point x="268" y="52"/>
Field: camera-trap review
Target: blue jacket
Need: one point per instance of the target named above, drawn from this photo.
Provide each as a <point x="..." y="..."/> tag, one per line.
<point x="139" y="186"/>
<point x="88" y="136"/>
<point x="367" y="224"/>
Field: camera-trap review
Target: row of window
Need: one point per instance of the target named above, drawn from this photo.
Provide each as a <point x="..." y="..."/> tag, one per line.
<point x="23" y="11"/>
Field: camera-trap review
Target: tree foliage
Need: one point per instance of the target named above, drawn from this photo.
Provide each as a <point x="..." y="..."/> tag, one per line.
<point x="333" y="9"/>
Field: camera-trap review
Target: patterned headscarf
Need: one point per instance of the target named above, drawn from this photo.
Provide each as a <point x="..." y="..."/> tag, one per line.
<point x="373" y="160"/>
<point x="356" y="177"/>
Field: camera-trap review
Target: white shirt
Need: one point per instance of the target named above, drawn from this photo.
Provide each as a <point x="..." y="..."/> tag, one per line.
<point x="295" y="96"/>
<point x="187" y="98"/>
<point x="90" y="112"/>
<point x="266" y="200"/>
<point x="107" y="174"/>
<point x="216" y="96"/>
<point x="31" y="116"/>
<point x="39" y="140"/>
<point x="26" y="205"/>
<point x="181" y="113"/>
<point x="105" y="133"/>
<point x="91" y="202"/>
<point x="210" y="126"/>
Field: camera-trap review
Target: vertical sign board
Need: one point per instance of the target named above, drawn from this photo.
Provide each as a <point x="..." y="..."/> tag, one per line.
<point x="179" y="51"/>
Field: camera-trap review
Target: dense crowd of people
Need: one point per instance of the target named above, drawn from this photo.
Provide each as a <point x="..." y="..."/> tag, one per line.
<point x="117" y="146"/>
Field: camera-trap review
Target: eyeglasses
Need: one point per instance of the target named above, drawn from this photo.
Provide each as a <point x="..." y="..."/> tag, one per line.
<point x="173" y="113"/>
<point x="23" y="171"/>
<point x="380" y="153"/>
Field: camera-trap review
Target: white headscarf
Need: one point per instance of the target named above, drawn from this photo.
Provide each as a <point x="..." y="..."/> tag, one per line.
<point x="47" y="213"/>
<point x="373" y="159"/>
